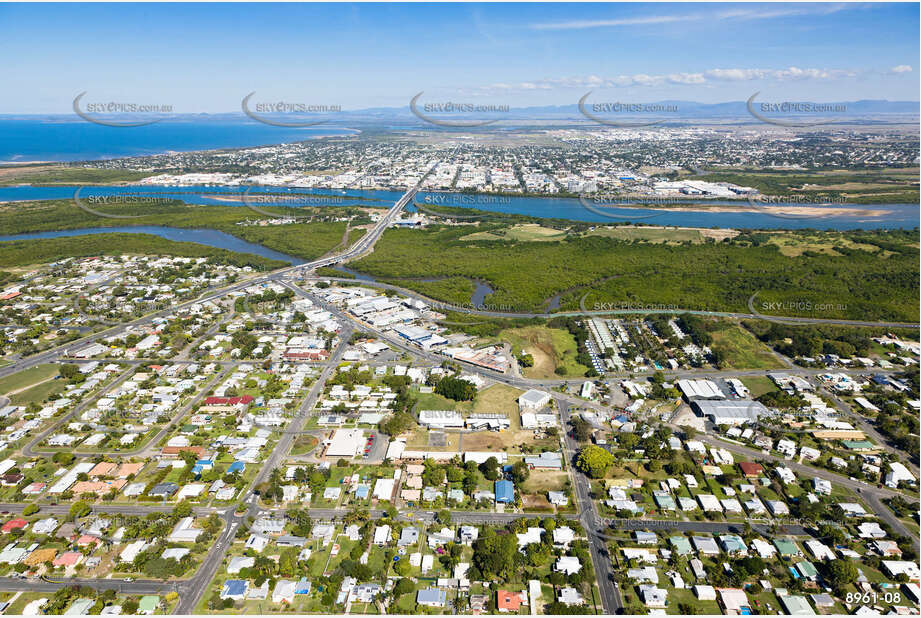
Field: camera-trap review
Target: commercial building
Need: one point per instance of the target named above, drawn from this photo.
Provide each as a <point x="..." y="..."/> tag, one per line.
<point x="731" y="412"/>
<point x="346" y="443"/>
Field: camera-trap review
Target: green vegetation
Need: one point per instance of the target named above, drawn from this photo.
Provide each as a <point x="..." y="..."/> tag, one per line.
<point x="26" y="252"/>
<point x="456" y="389"/>
<point x="553" y="352"/>
<point x="594" y="461"/>
<point x="56" y="174"/>
<point x="881" y="284"/>
<point x="736" y="348"/>
<point x="27" y="378"/>
<point x="814" y="340"/>
<point x="527" y="232"/>
<point x="759" y="385"/>
<point x="306" y="240"/>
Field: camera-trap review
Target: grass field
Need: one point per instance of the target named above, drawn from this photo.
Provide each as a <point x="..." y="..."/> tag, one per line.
<point x="525" y="232"/>
<point x="25" y="379"/>
<point x="498" y="398"/>
<point x="38" y="393"/>
<point x="55" y="174"/>
<point x="742" y="351"/>
<point x="794" y="245"/>
<point x="759" y="385"/>
<point x="858" y="186"/>
<point x="434" y="401"/>
<point x="542" y="481"/>
<point x="304" y="444"/>
<point x="673" y="235"/>
<point x="550" y="347"/>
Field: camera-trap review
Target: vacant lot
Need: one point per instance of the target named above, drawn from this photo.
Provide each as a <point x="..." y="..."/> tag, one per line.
<point x="542" y="481"/>
<point x="434" y="401"/>
<point x="551" y="348"/>
<point x="527" y="232"/>
<point x="741" y="350"/>
<point x="663" y="234"/>
<point x="29" y="377"/>
<point x="500" y="399"/>
<point x="420" y="439"/>
<point x="759" y="385"/>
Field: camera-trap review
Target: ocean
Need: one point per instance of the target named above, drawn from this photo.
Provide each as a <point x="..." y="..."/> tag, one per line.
<point x="64" y="138"/>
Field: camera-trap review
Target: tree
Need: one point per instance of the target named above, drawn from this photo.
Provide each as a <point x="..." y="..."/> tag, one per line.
<point x="401" y="567"/>
<point x="70" y="372"/>
<point x="404" y="586"/>
<point x="287" y="561"/>
<point x="520" y="472"/>
<point x="183" y="509"/>
<point x="443" y="517"/>
<point x="456" y="389"/>
<point x="594" y="461"/>
<point x="30" y="509"/>
<point x="841" y="572"/>
<point x="496" y="555"/>
<point x="489" y="468"/>
<point x="79" y="509"/>
<point x="581" y="429"/>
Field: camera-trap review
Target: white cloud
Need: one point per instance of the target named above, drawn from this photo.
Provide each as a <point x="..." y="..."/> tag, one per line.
<point x="591" y="82"/>
<point x="902" y="68"/>
<point x="611" y="23"/>
<point x="734" y="14"/>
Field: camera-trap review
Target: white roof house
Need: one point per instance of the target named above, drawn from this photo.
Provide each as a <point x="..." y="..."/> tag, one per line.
<point x="383" y="489"/>
<point x="898" y="473"/>
<point x="567" y="564"/>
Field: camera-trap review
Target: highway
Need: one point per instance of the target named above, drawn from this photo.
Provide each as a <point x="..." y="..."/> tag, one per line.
<point x="362" y="246"/>
<point x="470" y="310"/>
<point x="598" y="529"/>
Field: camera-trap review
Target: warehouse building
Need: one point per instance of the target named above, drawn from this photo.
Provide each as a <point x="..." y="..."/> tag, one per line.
<point x="736" y="412"/>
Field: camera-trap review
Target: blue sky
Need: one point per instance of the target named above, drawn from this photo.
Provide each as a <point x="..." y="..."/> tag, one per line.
<point x="206" y="57"/>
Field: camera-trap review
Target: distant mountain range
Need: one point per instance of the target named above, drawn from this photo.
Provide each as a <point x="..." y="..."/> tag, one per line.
<point x="865" y="108"/>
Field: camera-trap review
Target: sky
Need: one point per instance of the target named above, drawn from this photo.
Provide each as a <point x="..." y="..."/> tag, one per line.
<point x="204" y="58"/>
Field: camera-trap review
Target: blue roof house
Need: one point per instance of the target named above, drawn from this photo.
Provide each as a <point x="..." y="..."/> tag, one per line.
<point x="505" y="491"/>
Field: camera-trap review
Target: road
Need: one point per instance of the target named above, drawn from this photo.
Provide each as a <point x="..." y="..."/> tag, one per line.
<point x="30" y="451"/>
<point x="873" y="494"/>
<point x="595" y="527"/>
<point x="194" y="591"/>
<point x="365" y="244"/>
<point x="468" y="310"/>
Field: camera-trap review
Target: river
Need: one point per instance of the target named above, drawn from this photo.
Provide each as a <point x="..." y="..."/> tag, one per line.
<point x="745" y="216"/>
